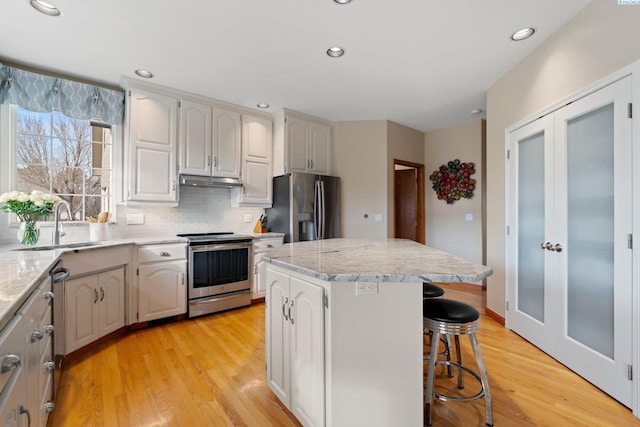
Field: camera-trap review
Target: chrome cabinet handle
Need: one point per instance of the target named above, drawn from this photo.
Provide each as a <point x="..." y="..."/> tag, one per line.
<point x="101" y="294"/>
<point x="290" y="314"/>
<point x="36" y="336"/>
<point x="9" y="363"/>
<point x="209" y="160"/>
<point x="215" y="161"/>
<point x="284" y="305"/>
<point x="48" y="329"/>
<point x="557" y="247"/>
<point x="174" y="185"/>
<point x="49" y="407"/>
<point x="182" y="279"/>
<point x="24" y="410"/>
<point x="95" y="295"/>
<point x="49" y="295"/>
<point x="546" y="246"/>
<point x="164" y="253"/>
<point x="49" y="366"/>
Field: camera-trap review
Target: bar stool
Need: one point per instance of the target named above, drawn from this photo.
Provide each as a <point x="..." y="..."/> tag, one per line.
<point x="429" y="290"/>
<point x="449" y="317"/>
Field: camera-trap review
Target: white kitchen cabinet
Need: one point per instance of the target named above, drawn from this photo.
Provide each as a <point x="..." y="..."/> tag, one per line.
<point x="256" y="162"/>
<point x="261" y="246"/>
<point x="94" y="307"/>
<point x="26" y="382"/>
<point x="195" y="137"/>
<point x="301" y="144"/>
<point x="161" y="281"/>
<point x="151" y="147"/>
<point x="227" y="143"/>
<point x="295" y="346"/>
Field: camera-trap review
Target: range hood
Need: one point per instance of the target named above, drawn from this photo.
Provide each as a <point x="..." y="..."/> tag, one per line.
<point x="209" y="181"/>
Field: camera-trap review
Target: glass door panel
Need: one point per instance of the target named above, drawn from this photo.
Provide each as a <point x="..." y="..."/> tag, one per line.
<point x="590" y="227"/>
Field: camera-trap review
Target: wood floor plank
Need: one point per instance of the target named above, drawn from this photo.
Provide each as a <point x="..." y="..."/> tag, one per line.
<point x="210" y="371"/>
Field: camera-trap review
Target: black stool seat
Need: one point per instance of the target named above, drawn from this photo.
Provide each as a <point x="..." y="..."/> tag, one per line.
<point x="449" y="311"/>
<point x="431" y="291"/>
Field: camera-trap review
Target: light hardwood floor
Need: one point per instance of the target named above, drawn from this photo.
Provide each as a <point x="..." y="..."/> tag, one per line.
<point x="210" y="371"/>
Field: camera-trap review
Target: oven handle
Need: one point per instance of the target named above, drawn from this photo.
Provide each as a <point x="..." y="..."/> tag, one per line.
<point x="220" y="247"/>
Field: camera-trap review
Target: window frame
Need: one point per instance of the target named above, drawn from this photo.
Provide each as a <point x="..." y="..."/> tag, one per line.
<point x="8" y="162"/>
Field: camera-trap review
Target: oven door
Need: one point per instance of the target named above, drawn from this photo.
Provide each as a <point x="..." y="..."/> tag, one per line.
<point x="216" y="269"/>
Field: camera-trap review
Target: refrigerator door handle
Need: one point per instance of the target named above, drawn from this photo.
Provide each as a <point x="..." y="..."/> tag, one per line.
<point x="323" y="212"/>
<point x="316" y="209"/>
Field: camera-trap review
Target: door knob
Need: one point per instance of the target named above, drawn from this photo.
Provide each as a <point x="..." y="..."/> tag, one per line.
<point x="557" y="247"/>
<point x="546" y="246"/>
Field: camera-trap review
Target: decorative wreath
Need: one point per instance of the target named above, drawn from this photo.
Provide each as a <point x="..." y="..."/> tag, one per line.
<point x="453" y="181"/>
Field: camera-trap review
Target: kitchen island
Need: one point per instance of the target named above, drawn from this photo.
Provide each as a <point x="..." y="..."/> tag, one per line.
<point x="344" y="328"/>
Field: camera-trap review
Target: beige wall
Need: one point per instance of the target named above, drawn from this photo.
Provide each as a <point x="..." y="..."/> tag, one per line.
<point x="601" y="39"/>
<point x="446" y="226"/>
<point x="403" y="143"/>
<point x="360" y="160"/>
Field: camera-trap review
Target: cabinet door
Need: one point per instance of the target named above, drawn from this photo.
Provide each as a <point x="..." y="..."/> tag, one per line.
<point x="277" y="334"/>
<point x="226" y="143"/>
<point x="162" y="290"/>
<point x="111" y="301"/>
<point x="152" y="147"/>
<point x="12" y="382"/>
<point x="81" y="312"/>
<point x="195" y="138"/>
<point x="297" y="137"/>
<point x="320" y="148"/>
<point x="256" y="164"/>
<point x="307" y="352"/>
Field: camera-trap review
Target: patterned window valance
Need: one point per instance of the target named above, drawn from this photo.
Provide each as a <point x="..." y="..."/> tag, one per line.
<point x="40" y="93"/>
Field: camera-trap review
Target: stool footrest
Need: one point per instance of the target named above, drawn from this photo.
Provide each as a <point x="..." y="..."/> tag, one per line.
<point x="446" y="398"/>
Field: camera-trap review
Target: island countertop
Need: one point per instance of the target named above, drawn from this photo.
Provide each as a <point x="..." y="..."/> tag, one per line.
<point x="368" y="260"/>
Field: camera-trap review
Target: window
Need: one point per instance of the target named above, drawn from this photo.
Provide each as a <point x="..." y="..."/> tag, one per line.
<point x="68" y="157"/>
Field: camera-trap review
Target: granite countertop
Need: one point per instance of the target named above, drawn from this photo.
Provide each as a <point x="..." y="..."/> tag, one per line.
<point x="22" y="271"/>
<point x="365" y="260"/>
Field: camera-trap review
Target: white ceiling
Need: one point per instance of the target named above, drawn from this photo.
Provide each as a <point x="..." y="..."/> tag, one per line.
<point x="422" y="63"/>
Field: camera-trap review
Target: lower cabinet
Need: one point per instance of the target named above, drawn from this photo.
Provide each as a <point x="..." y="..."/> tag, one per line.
<point x="162" y="290"/>
<point x="94" y="307"/>
<point x="262" y="245"/>
<point x="162" y="287"/>
<point x="295" y="346"/>
<point x="26" y="356"/>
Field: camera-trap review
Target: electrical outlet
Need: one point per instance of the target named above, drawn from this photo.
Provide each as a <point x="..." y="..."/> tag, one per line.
<point x="366" y="288"/>
<point x="248" y="218"/>
<point x="135" y="219"/>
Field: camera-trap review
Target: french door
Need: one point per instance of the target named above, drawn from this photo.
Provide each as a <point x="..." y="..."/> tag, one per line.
<point x="569" y="255"/>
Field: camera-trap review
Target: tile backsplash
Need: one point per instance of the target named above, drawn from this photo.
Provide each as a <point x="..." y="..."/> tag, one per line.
<point x="199" y="210"/>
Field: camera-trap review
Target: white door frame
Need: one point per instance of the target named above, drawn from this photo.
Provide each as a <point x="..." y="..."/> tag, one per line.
<point x="632" y="70"/>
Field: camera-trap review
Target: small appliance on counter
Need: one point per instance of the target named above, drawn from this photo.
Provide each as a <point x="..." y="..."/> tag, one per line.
<point x="305" y="207"/>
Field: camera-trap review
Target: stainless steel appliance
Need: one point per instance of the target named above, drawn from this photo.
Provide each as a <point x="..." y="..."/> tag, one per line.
<point x="218" y="272"/>
<point x="305" y="207"/>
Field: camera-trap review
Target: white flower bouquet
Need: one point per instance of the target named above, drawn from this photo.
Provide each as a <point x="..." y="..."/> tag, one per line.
<point x="29" y="207"/>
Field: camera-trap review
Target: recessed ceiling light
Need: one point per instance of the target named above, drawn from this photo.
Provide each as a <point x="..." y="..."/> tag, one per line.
<point x="144" y="73"/>
<point x="522" y="34"/>
<point x="342" y="1"/>
<point x="335" y="52"/>
<point x="263" y="105"/>
<point x="44" y="7"/>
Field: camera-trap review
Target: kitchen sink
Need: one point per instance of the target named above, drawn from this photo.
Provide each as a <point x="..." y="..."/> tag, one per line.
<point x="62" y="246"/>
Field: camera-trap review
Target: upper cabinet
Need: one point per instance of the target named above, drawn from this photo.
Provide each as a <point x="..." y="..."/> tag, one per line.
<point x="301" y="144"/>
<point x="195" y="137"/>
<point x="227" y="143"/>
<point x="256" y="161"/>
<point x="210" y="140"/>
<point x="151" y="121"/>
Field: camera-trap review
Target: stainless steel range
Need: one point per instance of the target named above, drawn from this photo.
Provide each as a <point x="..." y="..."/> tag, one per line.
<point x="218" y="272"/>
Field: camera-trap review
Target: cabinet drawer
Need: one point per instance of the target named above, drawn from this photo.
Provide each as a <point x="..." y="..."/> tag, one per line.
<point x="154" y="253"/>
<point x="264" y="245"/>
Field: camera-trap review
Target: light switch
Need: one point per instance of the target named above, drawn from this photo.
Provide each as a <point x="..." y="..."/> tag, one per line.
<point x="248" y="218"/>
<point x="135" y="219"/>
<point x="468" y="217"/>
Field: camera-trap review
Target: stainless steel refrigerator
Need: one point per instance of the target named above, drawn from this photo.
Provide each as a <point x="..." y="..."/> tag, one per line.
<point x="305" y="207"/>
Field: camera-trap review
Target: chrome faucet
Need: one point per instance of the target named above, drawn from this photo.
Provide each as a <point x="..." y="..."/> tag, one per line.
<point x="56" y="232"/>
